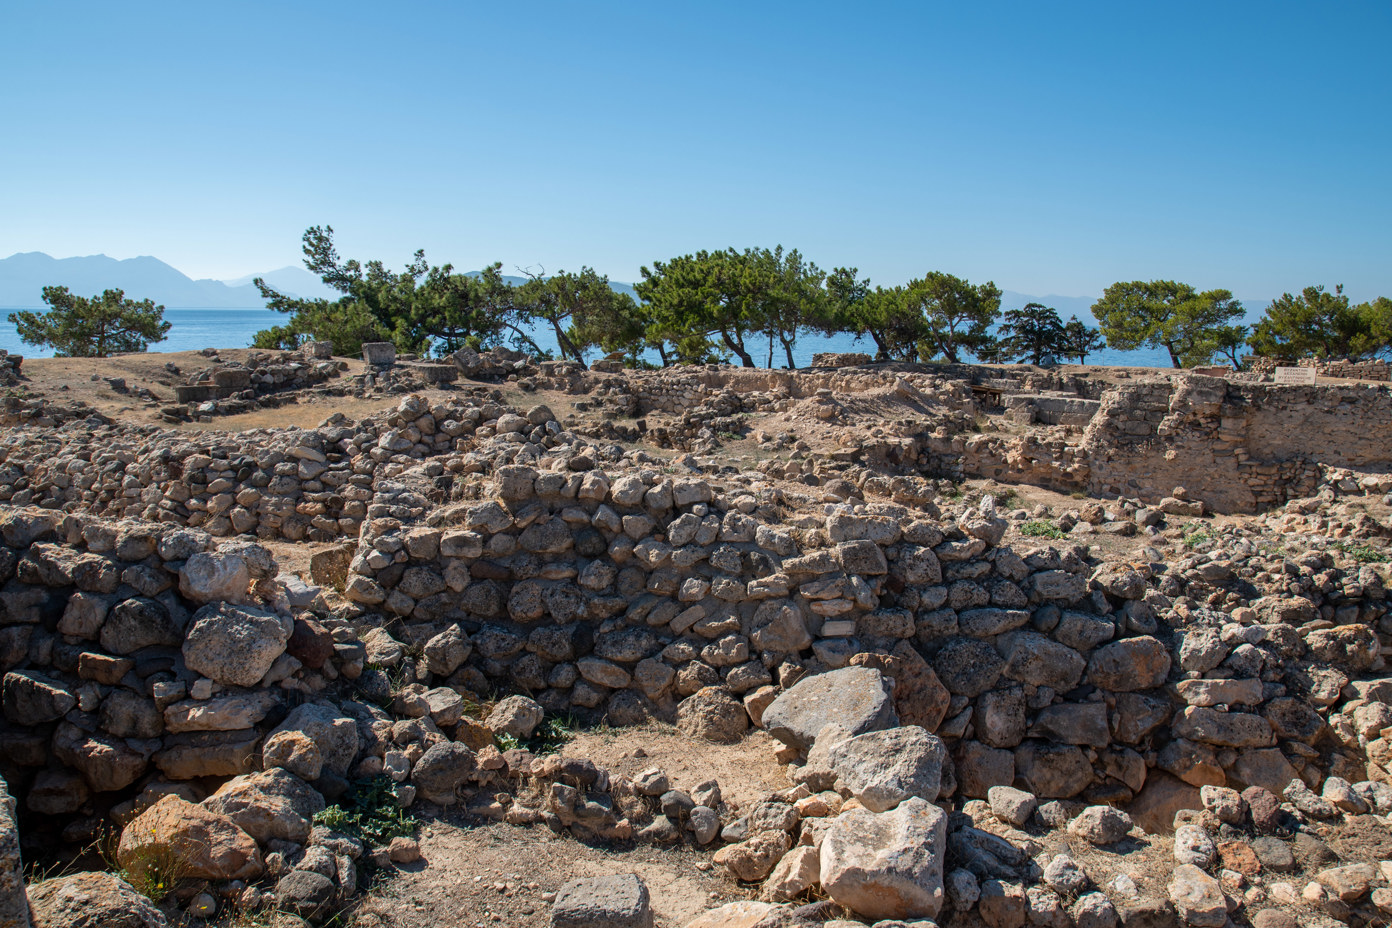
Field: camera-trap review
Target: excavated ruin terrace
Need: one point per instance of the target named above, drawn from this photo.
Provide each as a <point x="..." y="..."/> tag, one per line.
<point x="289" y="639"/>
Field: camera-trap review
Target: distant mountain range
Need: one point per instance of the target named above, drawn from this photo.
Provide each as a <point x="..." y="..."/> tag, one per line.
<point x="23" y="277"/>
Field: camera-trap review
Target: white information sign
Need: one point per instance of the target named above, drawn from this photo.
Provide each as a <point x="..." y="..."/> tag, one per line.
<point x="1295" y="375"/>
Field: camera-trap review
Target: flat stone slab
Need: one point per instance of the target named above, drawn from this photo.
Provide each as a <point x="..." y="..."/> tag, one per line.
<point x="859" y="699"/>
<point x="619" y="901"/>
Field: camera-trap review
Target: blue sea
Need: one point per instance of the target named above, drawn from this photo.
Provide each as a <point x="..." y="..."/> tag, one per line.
<point x="194" y="329"/>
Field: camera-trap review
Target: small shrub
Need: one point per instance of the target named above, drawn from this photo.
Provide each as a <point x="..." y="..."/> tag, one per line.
<point x="370" y="811"/>
<point x="1362" y="553"/>
<point x="1195" y="537"/>
<point x="1041" y="528"/>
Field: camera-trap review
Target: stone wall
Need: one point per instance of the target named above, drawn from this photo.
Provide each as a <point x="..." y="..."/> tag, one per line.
<point x="1237" y="447"/>
<point x="293" y="484"/>
<point x="632" y="596"/>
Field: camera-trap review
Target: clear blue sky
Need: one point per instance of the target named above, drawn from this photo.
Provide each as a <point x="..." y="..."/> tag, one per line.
<point x="1052" y="147"/>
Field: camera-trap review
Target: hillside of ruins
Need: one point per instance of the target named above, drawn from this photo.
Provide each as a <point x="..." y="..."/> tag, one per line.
<point x="293" y="639"/>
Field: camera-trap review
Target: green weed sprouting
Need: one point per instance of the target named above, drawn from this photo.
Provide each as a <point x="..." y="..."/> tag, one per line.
<point x="1041" y="528"/>
<point x="369" y="811"/>
<point x="1362" y="553"/>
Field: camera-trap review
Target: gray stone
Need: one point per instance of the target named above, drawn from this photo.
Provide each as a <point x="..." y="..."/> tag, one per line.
<point x="305" y="893"/>
<point x="887" y="864"/>
<point x="14" y="909"/>
<point x="859" y="699"/>
<point x="83" y="900"/>
<point x="516" y="715"/>
<point x="619" y="901"/>
<point x="441" y="770"/>
<point x="1197" y="897"/>
<point x="884" y="768"/>
<point x="1100" y="825"/>
<point x="233" y="644"/>
<point x="1011" y="805"/>
<point x="208" y="577"/>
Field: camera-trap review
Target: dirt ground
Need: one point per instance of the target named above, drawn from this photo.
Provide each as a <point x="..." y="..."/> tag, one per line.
<point x="498" y="875"/>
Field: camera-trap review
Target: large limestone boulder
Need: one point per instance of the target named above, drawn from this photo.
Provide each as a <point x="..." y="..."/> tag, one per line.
<point x="271" y="804"/>
<point x="235" y="645"/>
<point x="177" y="838"/>
<point x="883" y="768"/>
<point x="89" y="900"/>
<point x="859" y="699"/>
<point x="887" y="864"/>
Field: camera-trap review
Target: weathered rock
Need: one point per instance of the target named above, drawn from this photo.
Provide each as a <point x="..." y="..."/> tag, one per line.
<point x="32" y="698"/>
<point x="713" y="714"/>
<point x="1010" y="805"/>
<point x="335" y="735"/>
<point x="859" y="699"/>
<point x="1100" y="825"/>
<point x="14" y="910"/>
<point x="756" y="856"/>
<point x="743" y="914"/>
<point x="87" y="900"/>
<point x="209" y="577"/>
<point x="887" y="864"/>
<point x="178" y="838"/>
<point x="235" y="645"/>
<point x="137" y="623"/>
<point x="305" y="893"/>
<point x="516" y="715"/>
<point x="968" y="666"/>
<point x="294" y="751"/>
<point x="883" y="768"/>
<point x="1197" y="897"/>
<point x="1129" y="664"/>
<point x="441" y="771"/>
<point x="603" y="902"/>
<point x="272" y="804"/>
<point x="798" y="871"/>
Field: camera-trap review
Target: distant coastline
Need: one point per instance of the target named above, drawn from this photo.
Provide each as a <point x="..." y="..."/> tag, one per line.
<point x="192" y="329"/>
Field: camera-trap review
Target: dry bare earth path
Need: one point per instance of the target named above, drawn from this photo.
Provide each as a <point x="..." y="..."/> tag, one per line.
<point x="473" y="873"/>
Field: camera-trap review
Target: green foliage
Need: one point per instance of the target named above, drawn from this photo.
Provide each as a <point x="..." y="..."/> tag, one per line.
<point x="369" y="811"/>
<point x="1079" y="340"/>
<point x="78" y="327"/>
<point x="1195" y="536"/>
<point x="1032" y="332"/>
<point x="709" y="303"/>
<point x="1166" y="314"/>
<point x="550" y="736"/>
<point x="581" y="309"/>
<point x="1041" y="528"/>
<point x="422" y="309"/>
<point x="958" y="315"/>
<point x="1324" y="325"/>
<point x="890" y="319"/>
<point x="1362" y="553"/>
<point x="1228" y="342"/>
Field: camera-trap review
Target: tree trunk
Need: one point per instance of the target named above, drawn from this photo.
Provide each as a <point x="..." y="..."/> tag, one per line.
<point x="788" y="350"/>
<point x="738" y="348"/>
<point x="1174" y="358"/>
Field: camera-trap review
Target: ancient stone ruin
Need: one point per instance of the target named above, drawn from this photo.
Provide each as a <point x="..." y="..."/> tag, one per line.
<point x="981" y="706"/>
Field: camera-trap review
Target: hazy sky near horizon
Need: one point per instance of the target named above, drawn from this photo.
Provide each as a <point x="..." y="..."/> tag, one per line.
<point x="1053" y="148"/>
